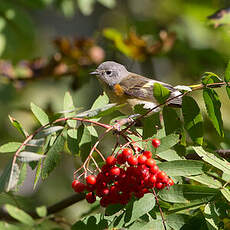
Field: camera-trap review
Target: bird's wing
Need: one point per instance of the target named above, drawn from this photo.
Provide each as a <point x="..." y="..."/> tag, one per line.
<point x="137" y="86"/>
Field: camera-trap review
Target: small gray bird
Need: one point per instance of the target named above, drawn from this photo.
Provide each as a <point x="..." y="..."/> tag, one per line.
<point x="122" y="86"/>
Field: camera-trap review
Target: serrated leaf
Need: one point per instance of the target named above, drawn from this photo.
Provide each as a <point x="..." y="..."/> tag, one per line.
<point x="213" y="160"/>
<point x="213" y="104"/>
<point x="182" y="167"/>
<point x="68" y="105"/>
<point x="193" y="120"/>
<point x="206" y="180"/>
<point x="172" y="121"/>
<point x="14" y="177"/>
<point x="138" y="208"/>
<point x="177" y="221"/>
<point x="40" y="114"/>
<point x="209" y="78"/>
<point x="160" y="93"/>
<point x="18" y="126"/>
<point x="47" y="131"/>
<point x="150" y="125"/>
<point x="211" y="217"/>
<point x="19" y="215"/>
<point x="29" y="156"/>
<point x="41" y="211"/>
<point x="188" y="194"/>
<point x="169" y="155"/>
<point x="53" y="156"/>
<point x="10" y="147"/>
<point x="167" y="142"/>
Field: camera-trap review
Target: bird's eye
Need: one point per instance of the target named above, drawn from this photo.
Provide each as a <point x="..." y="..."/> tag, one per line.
<point x="108" y="72"/>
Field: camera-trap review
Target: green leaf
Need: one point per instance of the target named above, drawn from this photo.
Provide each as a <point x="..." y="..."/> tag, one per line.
<point x="19" y="215"/>
<point x="138" y="208"/>
<point x="169" y="155"/>
<point x="18" y="126"/>
<point x="228" y="91"/>
<point x="53" y="156"/>
<point x="206" y="180"/>
<point x="39" y="114"/>
<point x="172" y="121"/>
<point x="41" y="211"/>
<point x="108" y="3"/>
<point x="47" y="131"/>
<point x="86" y="6"/>
<point x="209" y="78"/>
<point x="38" y="173"/>
<point x="23" y="174"/>
<point x="226" y="193"/>
<point x="182" y="167"/>
<point x="7" y="226"/>
<point x="227" y="73"/>
<point x="211" y="217"/>
<point x="213" y="160"/>
<point x="68" y="106"/>
<point x="193" y="120"/>
<point x="187" y="194"/>
<point x="150" y="125"/>
<point x="29" y="156"/>
<point x="14" y="177"/>
<point x="5" y="176"/>
<point x="10" y="147"/>
<point x="160" y="93"/>
<point x="113" y="208"/>
<point x="213" y="104"/>
<point x="177" y="221"/>
<point x="101" y="101"/>
<point x="167" y="143"/>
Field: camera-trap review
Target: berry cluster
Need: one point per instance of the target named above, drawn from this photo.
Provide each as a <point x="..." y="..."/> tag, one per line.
<point x="124" y="176"/>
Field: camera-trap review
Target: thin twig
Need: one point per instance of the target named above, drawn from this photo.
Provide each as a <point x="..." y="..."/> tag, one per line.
<point x="161" y="212"/>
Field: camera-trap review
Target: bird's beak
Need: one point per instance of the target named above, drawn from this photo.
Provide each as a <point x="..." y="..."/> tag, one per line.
<point x="94" y="73"/>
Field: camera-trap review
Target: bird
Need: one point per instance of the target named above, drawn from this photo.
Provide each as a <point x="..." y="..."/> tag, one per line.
<point x="131" y="89"/>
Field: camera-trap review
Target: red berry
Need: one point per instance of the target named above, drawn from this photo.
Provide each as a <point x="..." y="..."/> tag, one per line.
<point x="79" y="187"/>
<point x="150" y="162"/>
<point x="111" y="160"/>
<point x="156" y="142"/>
<point x="170" y="182"/>
<point x="148" y="154"/>
<point x="74" y="183"/>
<point x="127" y="153"/>
<point x="152" y="179"/>
<point x="91" y="180"/>
<point x="161" y="175"/>
<point x="154" y="169"/>
<point x="90" y="197"/>
<point x="159" y="185"/>
<point x="115" y="171"/>
<point x="133" y="160"/>
<point x="142" y="159"/>
<point x="105" y="191"/>
<point x="120" y="159"/>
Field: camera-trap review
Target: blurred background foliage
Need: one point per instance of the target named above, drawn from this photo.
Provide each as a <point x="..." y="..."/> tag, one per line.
<point x="49" y="46"/>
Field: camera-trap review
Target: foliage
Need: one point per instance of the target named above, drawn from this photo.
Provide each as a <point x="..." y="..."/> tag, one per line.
<point x="194" y="148"/>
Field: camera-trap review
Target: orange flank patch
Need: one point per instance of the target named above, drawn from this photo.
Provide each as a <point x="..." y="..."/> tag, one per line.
<point x="118" y="90"/>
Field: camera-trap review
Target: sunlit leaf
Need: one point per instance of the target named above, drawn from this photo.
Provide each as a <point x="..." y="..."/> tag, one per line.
<point x="41" y="211"/>
<point x="211" y="217"/>
<point x="206" y="180"/>
<point x="210" y="78"/>
<point x="167" y="142"/>
<point x="226" y="193"/>
<point x="14" y="177"/>
<point x="86" y="6"/>
<point x="160" y="93"/>
<point x="182" y="167"/>
<point x="68" y="105"/>
<point x="47" y="131"/>
<point x="18" y="126"/>
<point x="10" y="147"/>
<point x="29" y="156"/>
<point x="39" y="114"/>
<point x="213" y="160"/>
